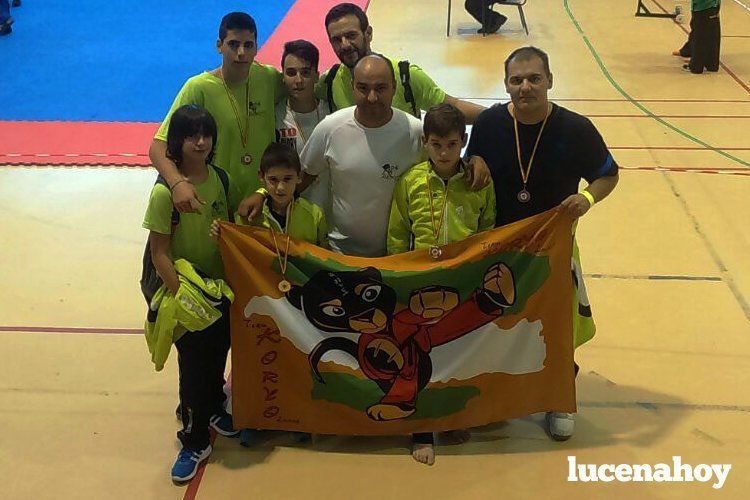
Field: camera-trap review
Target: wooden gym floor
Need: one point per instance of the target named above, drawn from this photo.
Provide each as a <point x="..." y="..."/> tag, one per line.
<point x="84" y="415"/>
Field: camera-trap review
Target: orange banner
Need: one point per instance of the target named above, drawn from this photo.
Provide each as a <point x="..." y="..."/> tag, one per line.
<point x="401" y="344"/>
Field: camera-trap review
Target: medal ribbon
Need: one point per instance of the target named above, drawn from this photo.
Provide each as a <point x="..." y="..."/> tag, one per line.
<point x="436" y="231"/>
<point x="525" y="173"/>
<point x="235" y="105"/>
<point x="283" y="264"/>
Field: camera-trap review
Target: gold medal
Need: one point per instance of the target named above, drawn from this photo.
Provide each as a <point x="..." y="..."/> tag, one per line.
<point x="435" y="252"/>
<point x="246" y="159"/>
<point x="284" y="286"/>
<point x="524" y="196"/>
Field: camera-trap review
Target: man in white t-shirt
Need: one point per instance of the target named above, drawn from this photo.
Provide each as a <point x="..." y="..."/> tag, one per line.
<point x="364" y="149"/>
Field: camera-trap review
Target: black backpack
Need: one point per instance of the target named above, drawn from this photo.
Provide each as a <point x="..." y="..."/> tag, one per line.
<point x="404" y="76"/>
<point x="150" y="279"/>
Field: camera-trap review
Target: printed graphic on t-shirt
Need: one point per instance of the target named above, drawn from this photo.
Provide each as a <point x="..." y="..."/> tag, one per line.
<point x="219" y="209"/>
<point x="389" y="171"/>
<point x="287" y="137"/>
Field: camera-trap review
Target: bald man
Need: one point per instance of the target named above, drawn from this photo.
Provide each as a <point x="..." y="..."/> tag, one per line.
<point x="364" y="148"/>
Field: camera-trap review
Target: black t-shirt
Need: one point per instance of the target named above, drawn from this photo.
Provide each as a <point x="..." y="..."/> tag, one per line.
<point x="570" y="149"/>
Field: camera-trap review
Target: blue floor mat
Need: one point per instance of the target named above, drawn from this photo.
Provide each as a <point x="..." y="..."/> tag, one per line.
<point x="112" y="60"/>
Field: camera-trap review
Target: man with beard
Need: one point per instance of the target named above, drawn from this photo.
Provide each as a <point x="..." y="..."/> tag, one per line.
<point x="350" y="34"/>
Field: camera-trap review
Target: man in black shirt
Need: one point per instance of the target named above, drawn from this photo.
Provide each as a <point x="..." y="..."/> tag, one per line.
<point x="537" y="153"/>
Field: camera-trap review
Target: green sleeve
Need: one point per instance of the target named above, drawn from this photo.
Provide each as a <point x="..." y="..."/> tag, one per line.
<point x="158" y="217"/>
<point x="488" y="217"/>
<point x="320" y="87"/>
<point x="186" y="95"/>
<point x="426" y="92"/>
<point x="279" y="90"/>
<point x="230" y="208"/>
<point x="399" y="227"/>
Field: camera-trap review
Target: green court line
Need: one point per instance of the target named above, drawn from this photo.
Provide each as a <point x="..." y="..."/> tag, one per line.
<point x="637" y="104"/>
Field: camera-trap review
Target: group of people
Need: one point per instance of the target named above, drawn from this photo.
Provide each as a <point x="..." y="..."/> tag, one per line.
<point x="373" y="178"/>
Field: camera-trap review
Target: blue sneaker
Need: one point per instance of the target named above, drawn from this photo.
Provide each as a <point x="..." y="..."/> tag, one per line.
<point x="222" y="424"/>
<point x="187" y="463"/>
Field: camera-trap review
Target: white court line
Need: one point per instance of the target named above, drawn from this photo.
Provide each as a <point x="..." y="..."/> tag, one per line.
<point x="742" y="5"/>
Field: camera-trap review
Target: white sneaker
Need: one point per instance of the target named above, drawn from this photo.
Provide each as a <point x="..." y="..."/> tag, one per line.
<point x="561" y="425"/>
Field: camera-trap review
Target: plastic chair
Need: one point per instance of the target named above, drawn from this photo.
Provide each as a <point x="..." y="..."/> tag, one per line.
<point x="517" y="3"/>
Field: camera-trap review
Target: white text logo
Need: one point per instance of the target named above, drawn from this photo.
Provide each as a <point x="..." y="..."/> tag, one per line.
<point x="674" y="472"/>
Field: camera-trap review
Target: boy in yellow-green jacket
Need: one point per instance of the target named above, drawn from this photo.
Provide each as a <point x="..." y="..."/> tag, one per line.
<point x="433" y="205"/>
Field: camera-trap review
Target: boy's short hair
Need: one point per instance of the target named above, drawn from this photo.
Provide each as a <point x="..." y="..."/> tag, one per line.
<point x="347" y="9"/>
<point x="303" y="49"/>
<point x="237" y="21"/>
<point x="443" y="119"/>
<point x="526" y="53"/>
<point x="187" y="121"/>
<point x="279" y="155"/>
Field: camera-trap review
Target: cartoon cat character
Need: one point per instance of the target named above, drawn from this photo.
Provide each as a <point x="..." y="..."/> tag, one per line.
<point x="393" y="348"/>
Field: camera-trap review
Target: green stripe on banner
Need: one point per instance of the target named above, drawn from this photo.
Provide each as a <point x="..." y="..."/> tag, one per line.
<point x="637" y="104"/>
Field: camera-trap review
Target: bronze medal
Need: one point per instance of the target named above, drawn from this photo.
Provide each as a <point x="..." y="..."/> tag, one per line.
<point x="435" y="252"/>
<point x="284" y="286"/>
<point x="524" y="196"/>
<point x="246" y="159"/>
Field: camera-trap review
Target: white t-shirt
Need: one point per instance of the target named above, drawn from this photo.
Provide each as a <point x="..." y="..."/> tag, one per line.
<point x="363" y="164"/>
<point x="294" y="128"/>
<point x="288" y="125"/>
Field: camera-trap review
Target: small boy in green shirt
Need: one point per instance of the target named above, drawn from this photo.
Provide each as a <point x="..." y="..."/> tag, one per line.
<point x="284" y="211"/>
<point x="433" y="205"/>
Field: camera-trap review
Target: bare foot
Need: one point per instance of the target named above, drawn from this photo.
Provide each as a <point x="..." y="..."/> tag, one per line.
<point x="457" y="436"/>
<point x="423" y="453"/>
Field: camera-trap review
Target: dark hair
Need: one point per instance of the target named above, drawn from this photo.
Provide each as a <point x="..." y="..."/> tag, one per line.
<point x="237" y="21"/>
<point x="279" y="155"/>
<point x="302" y="49"/>
<point x="443" y="119"/>
<point x="379" y="56"/>
<point x="526" y="53"/>
<point x="347" y="9"/>
<point x="185" y="122"/>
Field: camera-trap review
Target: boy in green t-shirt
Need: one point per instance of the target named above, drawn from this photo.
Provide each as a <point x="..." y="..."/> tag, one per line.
<point x="433" y="205"/>
<point x="241" y="95"/>
<point x="202" y="354"/>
